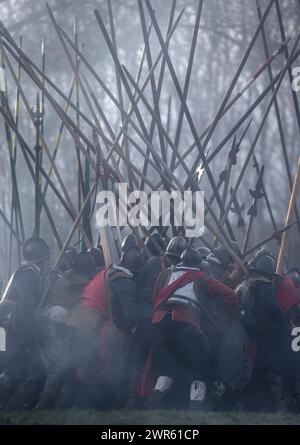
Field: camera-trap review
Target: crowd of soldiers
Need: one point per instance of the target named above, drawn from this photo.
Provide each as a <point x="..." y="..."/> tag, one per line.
<point x="181" y="327"/>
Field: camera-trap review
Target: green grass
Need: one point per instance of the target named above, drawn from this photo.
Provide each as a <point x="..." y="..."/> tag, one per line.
<point x="124" y="417"/>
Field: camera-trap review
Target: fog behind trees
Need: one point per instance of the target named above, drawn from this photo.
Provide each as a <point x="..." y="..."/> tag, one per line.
<point x="226" y="29"/>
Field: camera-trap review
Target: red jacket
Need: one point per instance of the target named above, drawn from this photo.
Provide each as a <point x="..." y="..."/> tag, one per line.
<point x="95" y="294"/>
<point x="286" y="294"/>
<point x="215" y="289"/>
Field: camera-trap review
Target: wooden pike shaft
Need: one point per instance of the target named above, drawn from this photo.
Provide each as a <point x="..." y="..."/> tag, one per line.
<point x="44" y="145"/>
<point x="75" y="224"/>
<point x="187" y="114"/>
<point x="152" y="81"/>
<point x="244" y="116"/>
<point x="59" y="135"/>
<point x="288" y="218"/>
<point x="80" y="179"/>
<point x="159" y="89"/>
<point x="273" y="235"/>
<point x="119" y="86"/>
<point x="187" y="77"/>
<point x="224" y="103"/>
<point x="262" y="123"/>
<point x="278" y="116"/>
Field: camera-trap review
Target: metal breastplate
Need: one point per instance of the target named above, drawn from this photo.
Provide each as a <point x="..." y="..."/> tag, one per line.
<point x="186" y="294"/>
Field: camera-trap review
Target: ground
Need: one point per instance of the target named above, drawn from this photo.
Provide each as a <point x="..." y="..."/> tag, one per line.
<point x="123" y="417"/>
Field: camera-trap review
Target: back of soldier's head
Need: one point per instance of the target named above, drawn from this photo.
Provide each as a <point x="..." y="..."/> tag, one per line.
<point x="97" y="254"/>
<point x="190" y="257"/>
<point x="263" y="261"/>
<point x="223" y="256"/>
<point x="155" y="244"/>
<point x="175" y="248"/>
<point x="133" y="259"/>
<point x="35" y="250"/>
<point x="84" y="265"/>
<point x="65" y="263"/>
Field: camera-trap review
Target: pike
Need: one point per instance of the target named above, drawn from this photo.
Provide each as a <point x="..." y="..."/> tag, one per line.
<point x="256" y="194"/>
<point x="275" y="235"/>
<point x="16" y="207"/>
<point x="109" y="239"/>
<point x="169" y="114"/>
<point x="15" y="198"/>
<point x="27" y="152"/>
<point x="100" y="110"/>
<point x="108" y="127"/>
<point x="278" y="116"/>
<point x="64" y="117"/>
<point x="224" y="103"/>
<point x="177" y="182"/>
<point x="167" y="169"/>
<point x="155" y="165"/>
<point x="54" y="104"/>
<point x="245" y="88"/>
<point x="8" y="224"/>
<point x="108" y="92"/>
<point x="119" y="88"/>
<point x="31" y="69"/>
<point x="187" y="77"/>
<point x="43" y="53"/>
<point x="159" y="125"/>
<point x="253" y="145"/>
<point x="225" y="174"/>
<point x="152" y="82"/>
<point x="19" y="218"/>
<point x="159" y="87"/>
<point x="86" y="218"/>
<point x="44" y="145"/>
<point x="122" y="76"/>
<point x="37" y="116"/>
<point x="256" y="166"/>
<point x="187" y="113"/>
<point x="80" y="178"/>
<point x="286" y="54"/>
<point x="149" y="145"/>
<point x="60" y="132"/>
<point x="237" y="208"/>
<point x="97" y="125"/>
<point x="232" y="160"/>
<point x="289" y="215"/>
<point x="246" y="114"/>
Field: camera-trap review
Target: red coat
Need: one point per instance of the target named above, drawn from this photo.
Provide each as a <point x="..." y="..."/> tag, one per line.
<point x="111" y="340"/>
<point x="95" y="294"/>
<point x="286" y="294"/>
<point x="214" y="289"/>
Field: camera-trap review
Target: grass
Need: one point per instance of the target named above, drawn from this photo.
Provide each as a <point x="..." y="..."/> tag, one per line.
<point x="125" y="417"/>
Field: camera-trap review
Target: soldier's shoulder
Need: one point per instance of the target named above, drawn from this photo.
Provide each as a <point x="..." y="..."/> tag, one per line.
<point x="27" y="269"/>
<point x="119" y="272"/>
